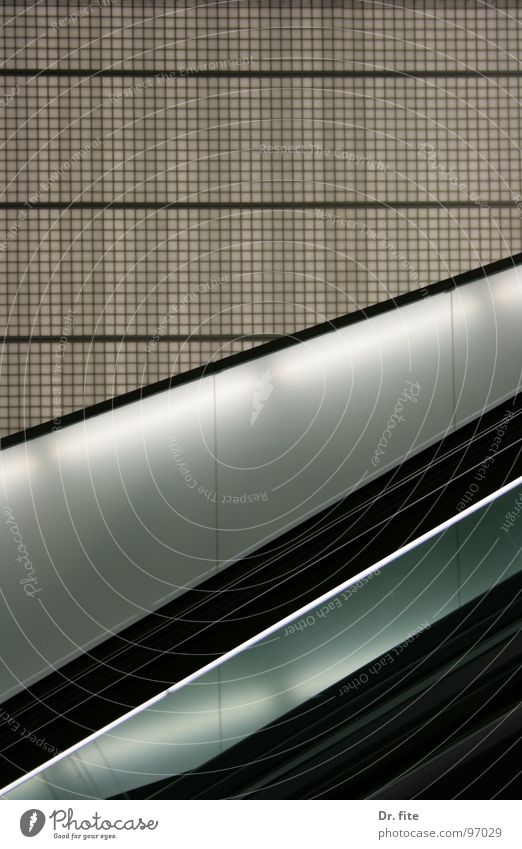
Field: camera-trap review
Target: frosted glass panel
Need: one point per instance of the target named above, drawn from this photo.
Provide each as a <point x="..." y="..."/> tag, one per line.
<point x="301" y="427"/>
<point x="339" y="637"/>
<point x="109" y="527"/>
<point x="487" y="319"/>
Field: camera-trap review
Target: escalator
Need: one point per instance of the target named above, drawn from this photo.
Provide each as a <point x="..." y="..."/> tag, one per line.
<point x="155" y="576"/>
<point x="434" y="626"/>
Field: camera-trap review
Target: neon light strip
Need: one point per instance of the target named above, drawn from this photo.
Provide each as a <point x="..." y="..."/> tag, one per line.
<point x="390" y="558"/>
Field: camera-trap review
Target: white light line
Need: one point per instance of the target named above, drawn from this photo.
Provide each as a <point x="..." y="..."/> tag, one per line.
<point x="468" y="511"/>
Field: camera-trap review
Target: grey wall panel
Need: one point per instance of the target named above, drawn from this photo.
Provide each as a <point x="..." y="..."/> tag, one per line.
<point x="487" y="319"/>
<point x="109" y="523"/>
<point x="298" y="428"/>
<point x="398" y="147"/>
<point x="186" y="142"/>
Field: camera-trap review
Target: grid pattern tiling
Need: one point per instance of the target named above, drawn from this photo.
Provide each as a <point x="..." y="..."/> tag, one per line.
<point x="224" y="271"/>
<point x="273" y="34"/>
<point x="42" y="385"/>
<point x="308" y="159"/>
<point x="262" y="139"/>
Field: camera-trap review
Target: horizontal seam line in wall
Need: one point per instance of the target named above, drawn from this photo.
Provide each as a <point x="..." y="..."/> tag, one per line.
<point x="337" y="204"/>
<point x="187" y="73"/>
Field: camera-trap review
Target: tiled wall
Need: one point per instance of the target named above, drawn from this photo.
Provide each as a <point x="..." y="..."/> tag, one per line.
<point x="267" y="164"/>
